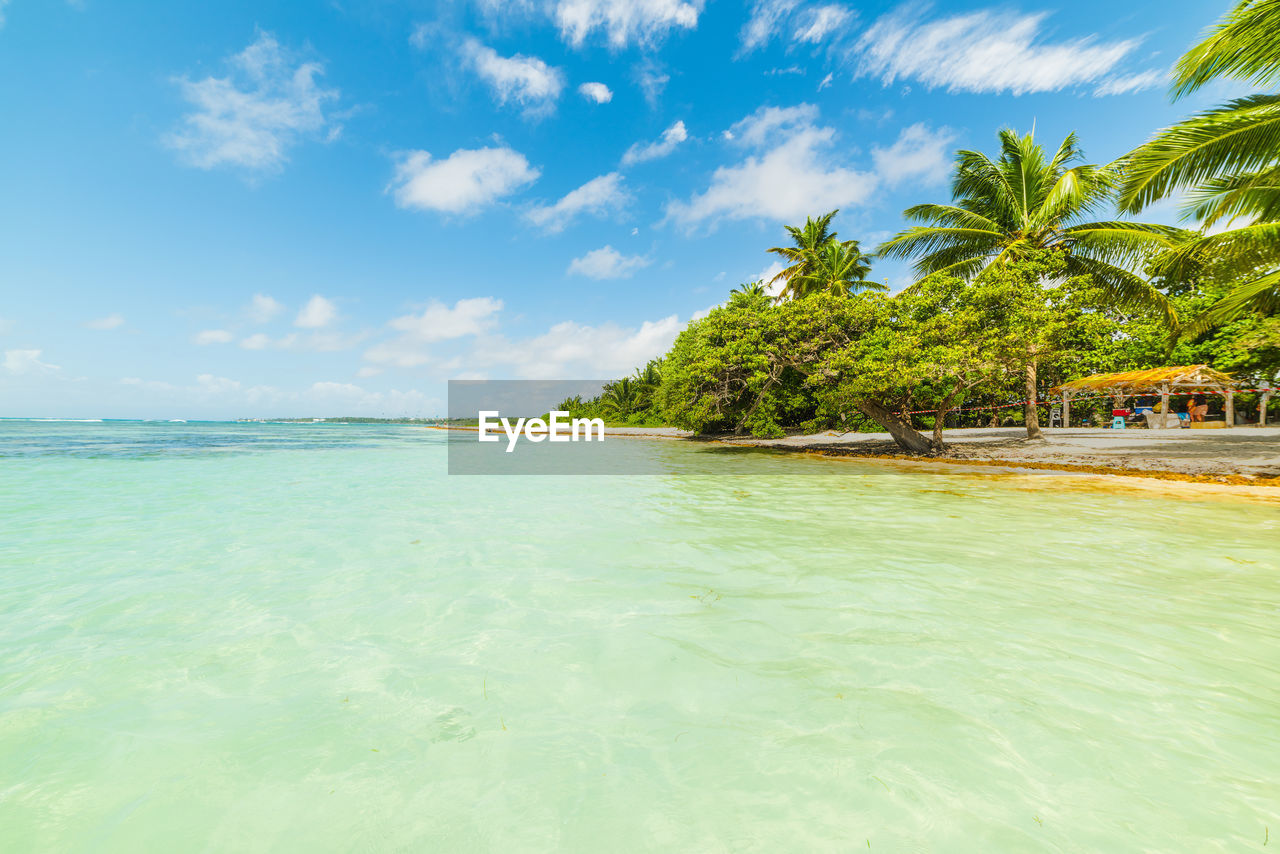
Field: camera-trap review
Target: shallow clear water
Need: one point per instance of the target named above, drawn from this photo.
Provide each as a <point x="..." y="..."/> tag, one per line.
<point x="307" y="637"/>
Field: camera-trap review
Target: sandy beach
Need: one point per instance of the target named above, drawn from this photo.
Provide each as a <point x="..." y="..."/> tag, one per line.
<point x="1230" y="455"/>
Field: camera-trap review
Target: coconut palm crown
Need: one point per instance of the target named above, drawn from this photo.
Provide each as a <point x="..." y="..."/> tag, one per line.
<point x="808" y="239"/>
<point x="1026" y="202"/>
<point x="838" y="267"/>
<point x="1228" y="159"/>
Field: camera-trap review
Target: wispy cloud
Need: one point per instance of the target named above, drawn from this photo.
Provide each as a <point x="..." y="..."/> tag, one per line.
<point x="1127" y="84"/>
<point x="819" y="22"/>
<point x="213" y="336"/>
<point x="671" y="137"/>
<point x="263" y="308"/>
<point x="985" y="51"/>
<point x="598" y="196"/>
<point x="624" y="22"/>
<point x="794" y="21"/>
<point x="111" y="321"/>
<point x="462" y="183"/>
<point x="437" y="322"/>
<point x="607" y="263"/>
<point x="21" y="362"/>
<point x="255" y="115"/>
<point x="524" y="80"/>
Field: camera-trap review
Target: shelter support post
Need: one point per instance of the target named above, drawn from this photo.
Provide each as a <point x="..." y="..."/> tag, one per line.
<point x="1066" y="409"/>
<point x="1262" y="408"/>
<point x="1231" y="408"/>
<point x="1164" y="399"/>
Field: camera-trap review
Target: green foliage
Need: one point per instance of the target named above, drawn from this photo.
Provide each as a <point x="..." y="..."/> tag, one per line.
<point x="819" y="263"/>
<point x="1025" y="202"/>
<point x="1228" y="159"/>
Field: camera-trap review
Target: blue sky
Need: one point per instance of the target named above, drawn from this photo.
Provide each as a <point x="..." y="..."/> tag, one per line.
<point x="256" y="209"/>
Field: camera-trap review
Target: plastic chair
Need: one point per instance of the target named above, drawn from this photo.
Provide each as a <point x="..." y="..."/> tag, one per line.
<point x="1117" y="423"/>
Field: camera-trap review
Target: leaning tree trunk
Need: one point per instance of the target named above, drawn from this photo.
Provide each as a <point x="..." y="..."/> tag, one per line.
<point x="1033" y="415"/>
<point x="907" y="437"/>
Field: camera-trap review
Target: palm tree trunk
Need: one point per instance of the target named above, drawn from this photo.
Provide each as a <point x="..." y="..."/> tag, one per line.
<point x="1033" y="416"/>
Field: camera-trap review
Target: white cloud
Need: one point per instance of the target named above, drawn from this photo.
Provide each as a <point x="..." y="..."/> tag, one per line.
<point x="571" y="349"/>
<point x="767" y="17"/>
<point x="368" y="371"/>
<point x="822" y="21"/>
<point x="252" y="117"/>
<point x="213" y="336"/>
<point x="671" y="137"/>
<point x="19" y="362"/>
<point x="437" y="322"/>
<point x="597" y="92"/>
<point x="769" y="122"/>
<point x="766" y="275"/>
<point x="526" y="80"/>
<point x="317" y="313"/>
<point x="263" y="308"/>
<point x="211" y="384"/>
<point x="826" y="81"/>
<point x="652" y="80"/>
<point x="598" y="196"/>
<point x="985" y="51"/>
<point x="464" y="182"/>
<point x="607" y="263"/>
<point x="111" y="321"/>
<point x="624" y="21"/>
<point x="1128" y="83"/>
<point x="809" y="24"/>
<point x="791" y="178"/>
<point x="317" y="342"/>
<point x="919" y="152"/>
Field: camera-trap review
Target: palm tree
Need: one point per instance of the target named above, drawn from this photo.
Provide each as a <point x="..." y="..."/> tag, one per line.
<point x="808" y="239"/>
<point x="837" y="268"/>
<point x="651" y="375"/>
<point x="619" y="397"/>
<point x="749" y="290"/>
<point x="1229" y="158"/>
<point x="1025" y="203"/>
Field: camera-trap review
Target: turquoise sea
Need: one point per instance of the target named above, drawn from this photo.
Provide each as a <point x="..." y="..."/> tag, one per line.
<point x="287" y="637"/>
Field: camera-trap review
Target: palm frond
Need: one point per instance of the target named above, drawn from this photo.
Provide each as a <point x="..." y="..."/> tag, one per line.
<point x="1123" y="288"/>
<point x="1243" y="46"/>
<point x="926" y="240"/>
<point x="1240" y="136"/>
<point x="1248" y="196"/>
<point x="949" y="215"/>
<point x="1127" y="244"/>
<point x="1260" y="295"/>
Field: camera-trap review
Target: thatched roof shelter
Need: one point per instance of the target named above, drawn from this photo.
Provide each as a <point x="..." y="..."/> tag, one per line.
<point x="1180" y="379"/>
<point x="1154" y="381"/>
